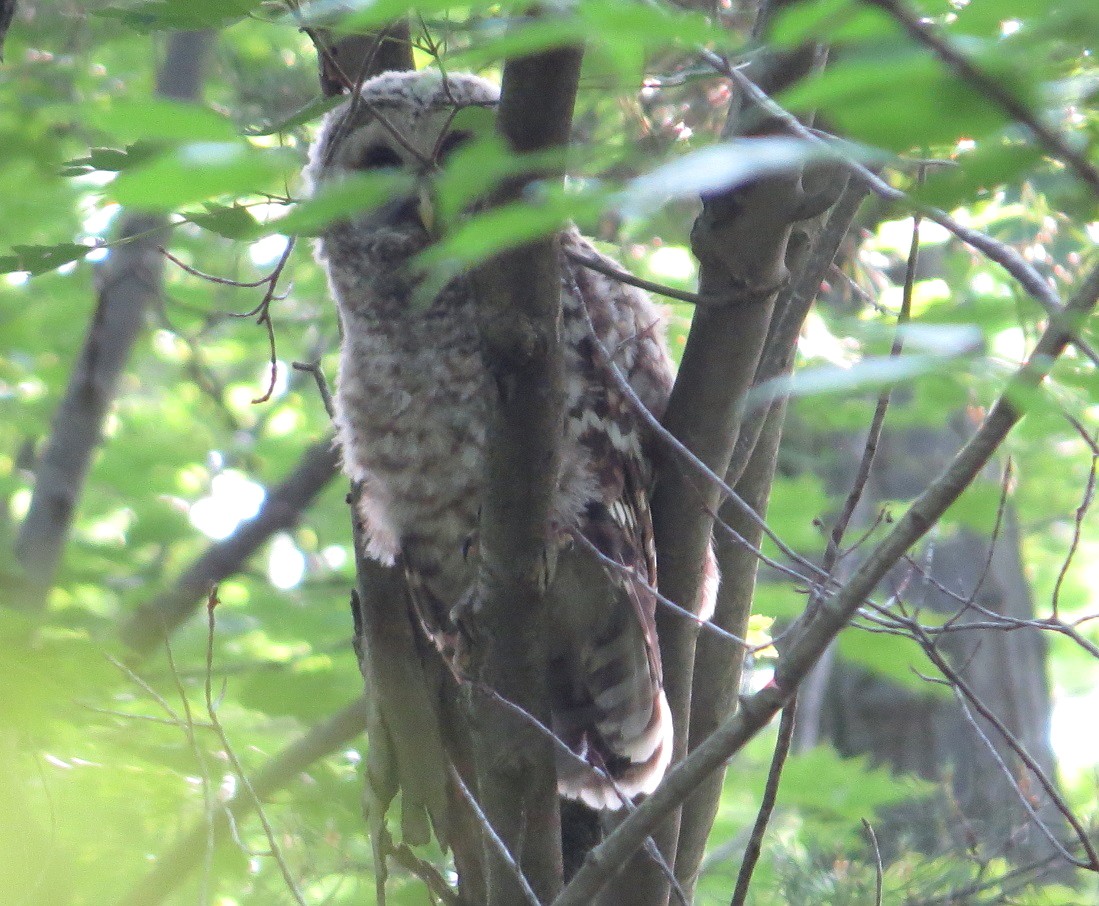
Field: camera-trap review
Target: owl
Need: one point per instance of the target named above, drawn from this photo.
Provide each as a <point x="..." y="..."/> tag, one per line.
<point x="412" y="404"/>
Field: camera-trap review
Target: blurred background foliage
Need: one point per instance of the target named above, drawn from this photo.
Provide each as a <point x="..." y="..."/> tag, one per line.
<point x="109" y="759"/>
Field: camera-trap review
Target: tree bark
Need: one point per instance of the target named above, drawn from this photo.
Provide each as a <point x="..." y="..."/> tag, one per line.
<point x="519" y="301"/>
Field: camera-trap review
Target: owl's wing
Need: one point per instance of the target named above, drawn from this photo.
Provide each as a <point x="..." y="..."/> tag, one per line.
<point x="606" y="683"/>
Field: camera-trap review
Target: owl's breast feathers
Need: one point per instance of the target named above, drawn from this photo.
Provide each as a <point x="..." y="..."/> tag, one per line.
<point x="412" y="410"/>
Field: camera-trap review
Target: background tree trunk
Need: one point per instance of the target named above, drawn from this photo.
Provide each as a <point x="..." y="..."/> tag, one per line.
<point x="860" y="712"/>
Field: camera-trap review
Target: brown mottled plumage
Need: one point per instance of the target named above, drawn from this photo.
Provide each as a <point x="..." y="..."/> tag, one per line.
<point x="412" y="404"/>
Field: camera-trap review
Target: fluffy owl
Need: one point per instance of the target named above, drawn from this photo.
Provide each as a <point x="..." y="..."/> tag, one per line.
<point x="412" y="408"/>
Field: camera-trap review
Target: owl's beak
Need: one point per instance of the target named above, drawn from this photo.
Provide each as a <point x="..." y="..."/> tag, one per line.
<point x="425" y="209"/>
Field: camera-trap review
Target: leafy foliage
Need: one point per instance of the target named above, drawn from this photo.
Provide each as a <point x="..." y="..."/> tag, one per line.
<point x="104" y="768"/>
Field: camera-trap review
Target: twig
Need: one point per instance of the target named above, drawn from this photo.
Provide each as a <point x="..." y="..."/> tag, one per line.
<point x="631" y="574"/>
<point x="624" y="276"/>
<point x="262" y="312"/>
<point x="408" y="860"/>
<point x="199" y="755"/>
<point x="767" y="803"/>
<point x="238" y="768"/>
<point x="994" y="538"/>
<point x="878" y="871"/>
<point x="173" y="865"/>
<point x="494" y="838"/>
<point x="873" y="436"/>
<point x="965" y="694"/>
<point x="1077" y="528"/>
<point x="213" y="278"/>
<point x="314" y="368"/>
<point x="1023" y="798"/>
<point x="708" y="474"/>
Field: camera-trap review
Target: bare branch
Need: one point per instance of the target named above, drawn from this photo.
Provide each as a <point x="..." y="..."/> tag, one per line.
<point x="966" y="696"/>
<point x="238" y="769"/>
<point x="624" y="276"/>
<point x="767" y="803"/>
<point x="501" y="848"/>
<point x="1077" y="528"/>
<point x="281" y="510"/>
<point x="878" y="870"/>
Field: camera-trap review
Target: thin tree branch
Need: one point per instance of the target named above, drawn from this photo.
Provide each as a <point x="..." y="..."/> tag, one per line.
<point x="496" y="842"/>
<point x="965" y="696"/>
<point x="173" y="866"/>
<point x="624" y="276"/>
<point x="255" y="802"/>
<point x="831" y="618"/>
<point x="281" y="510"/>
<point x="878" y="870"/>
<point x="767" y="803"/>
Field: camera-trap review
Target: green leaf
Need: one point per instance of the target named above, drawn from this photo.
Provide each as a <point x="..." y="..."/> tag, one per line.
<point x="718" y="168"/>
<point x="529" y="38"/>
<point x="897" y="97"/>
<point x="112" y="160"/>
<point x="161" y="120"/>
<point x="38" y="259"/>
<point x="356" y="194"/>
<point x="873" y="372"/>
<point x="170" y="15"/>
<point x="195" y="172"/>
<point x="476" y="168"/>
<point x="230" y="221"/>
<point x="509" y="225"/>
<point x="371" y="13"/>
<point x="834" y="21"/>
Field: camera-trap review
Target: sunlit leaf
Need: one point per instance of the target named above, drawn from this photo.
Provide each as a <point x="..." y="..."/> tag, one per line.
<point x="201" y="170"/>
<point x="164" y="15"/>
<point x="162" y="120"/>
<point x="717" y="168"/>
<point x="354" y="195"/>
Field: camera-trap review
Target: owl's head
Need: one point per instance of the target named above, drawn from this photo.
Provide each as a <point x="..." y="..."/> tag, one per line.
<point x="402" y="120"/>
